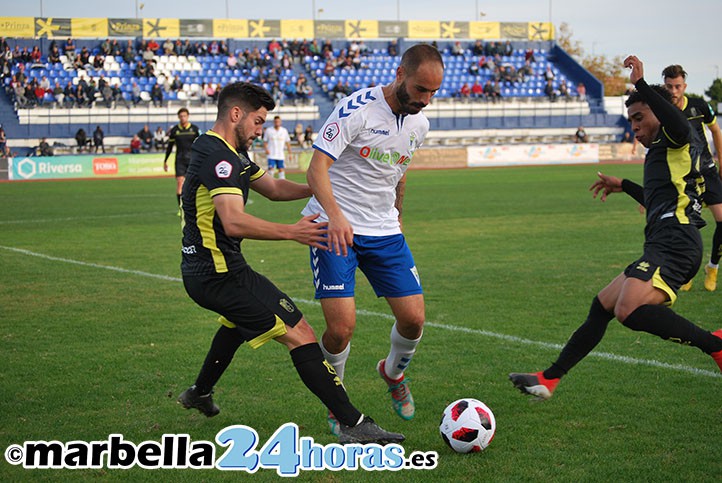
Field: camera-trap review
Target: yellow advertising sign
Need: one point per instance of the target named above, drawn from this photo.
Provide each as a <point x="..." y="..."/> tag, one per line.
<point x="541" y="31"/>
<point x="161" y="27"/>
<point x="18" y="27"/>
<point x="89" y="27"/>
<point x="364" y="29"/>
<point x="230" y="28"/>
<point x="297" y="29"/>
<point x="484" y="30"/>
<point x="424" y="29"/>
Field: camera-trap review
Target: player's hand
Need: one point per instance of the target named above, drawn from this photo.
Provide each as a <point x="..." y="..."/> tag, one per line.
<point x="165" y="166"/>
<point x="605" y="184"/>
<point x="632" y="62"/>
<point x="308" y="232"/>
<point x="340" y="235"/>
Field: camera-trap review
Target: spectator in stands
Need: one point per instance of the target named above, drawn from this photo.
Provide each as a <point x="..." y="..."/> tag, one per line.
<point x="465" y="91"/>
<point x="177" y="84"/>
<point x="186" y="49"/>
<point x="19" y="92"/>
<point x="156" y="95"/>
<point x="526" y="71"/>
<point x="146" y="137"/>
<point x="478" y="48"/>
<point x="393" y="48"/>
<point x="58" y="94"/>
<point x="297" y="135"/>
<point x="581" y="135"/>
<point x="44" y="83"/>
<point x="168" y="47"/>
<point x="129" y="52"/>
<point x="81" y="96"/>
<point x="223" y="48"/>
<point x="118" y="96"/>
<point x="477" y="90"/>
<point x="115" y="48"/>
<point x="289" y="91"/>
<point x="69" y="50"/>
<point x="274" y="48"/>
<point x="160" y="139"/>
<point x="457" y="49"/>
<point x="363" y="49"/>
<point x="488" y="90"/>
<point x="304" y="92"/>
<point x="98" y="62"/>
<point x="135" y="93"/>
<point x="135" y="144"/>
<point x="107" y="92"/>
<point x="508" y="49"/>
<point x="82" y="139"/>
<point x="549" y="73"/>
<point x="529" y="56"/>
<point x="98" y="139"/>
<point x="153" y="46"/>
<point x="36" y="55"/>
<point x="338" y="92"/>
<point x="44" y="148"/>
<point x="54" y="55"/>
<point x="83" y="58"/>
<point x="564" y="90"/>
<point x="308" y="136"/>
<point x="474" y="68"/>
<point x="314" y="48"/>
<point x="69" y="92"/>
<point x="549" y="90"/>
<point x="90" y="92"/>
<point x="232" y="61"/>
<point x="105" y="47"/>
<point x="4" y="150"/>
<point x="582" y="91"/>
<point x="496" y="91"/>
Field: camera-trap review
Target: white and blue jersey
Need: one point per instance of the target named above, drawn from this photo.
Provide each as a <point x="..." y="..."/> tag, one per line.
<point x="371" y="148"/>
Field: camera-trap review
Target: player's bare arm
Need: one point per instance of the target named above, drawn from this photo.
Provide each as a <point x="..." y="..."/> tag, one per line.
<point x="280" y="189"/>
<point x="237" y="223"/>
<point x="633" y="62"/>
<point x="400" y="192"/>
<point x="716" y="132"/>
<point x="340" y="231"/>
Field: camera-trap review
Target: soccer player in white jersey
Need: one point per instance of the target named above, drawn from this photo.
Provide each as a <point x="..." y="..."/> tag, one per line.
<point x="275" y="138"/>
<point x="357" y="175"/>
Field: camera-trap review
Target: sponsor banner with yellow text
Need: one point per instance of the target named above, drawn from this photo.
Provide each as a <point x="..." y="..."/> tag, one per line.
<point x="86" y="166"/>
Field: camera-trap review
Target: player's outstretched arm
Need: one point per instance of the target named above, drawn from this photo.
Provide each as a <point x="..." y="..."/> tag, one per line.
<point x="237" y="223"/>
<point x="340" y="231"/>
<point x="280" y="189"/>
<point x="606" y="185"/>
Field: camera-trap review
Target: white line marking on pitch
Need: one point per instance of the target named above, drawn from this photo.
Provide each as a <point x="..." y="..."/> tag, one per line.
<point x="90" y="217"/>
<point x="455" y="328"/>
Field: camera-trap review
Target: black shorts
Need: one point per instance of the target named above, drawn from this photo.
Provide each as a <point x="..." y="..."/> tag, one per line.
<point x="247" y="301"/>
<point x="181" y="166"/>
<point x="712" y="188"/>
<point x="672" y="256"/>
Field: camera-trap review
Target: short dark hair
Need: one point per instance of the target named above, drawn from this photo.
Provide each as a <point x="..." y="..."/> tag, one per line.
<point x="419" y="53"/>
<point x="674" y="71"/>
<point x="635" y="96"/>
<point x="247" y="96"/>
<point x="183" y="109"/>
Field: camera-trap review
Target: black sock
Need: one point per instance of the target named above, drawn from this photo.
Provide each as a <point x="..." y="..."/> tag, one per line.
<point x="178" y="198"/>
<point x="582" y="341"/>
<point x="320" y="377"/>
<point x="716" y="244"/>
<point x="224" y="346"/>
<point x="661" y="321"/>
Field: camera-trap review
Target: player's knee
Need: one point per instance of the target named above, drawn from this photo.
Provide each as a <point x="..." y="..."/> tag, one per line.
<point x="339" y="334"/>
<point x="622" y="311"/>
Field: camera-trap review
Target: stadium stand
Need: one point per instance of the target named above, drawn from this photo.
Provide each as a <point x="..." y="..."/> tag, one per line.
<point x="305" y="82"/>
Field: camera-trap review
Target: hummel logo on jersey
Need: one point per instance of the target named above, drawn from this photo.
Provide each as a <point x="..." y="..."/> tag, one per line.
<point x="361" y="100"/>
<point x="383" y="132"/>
<point x="643" y="266"/>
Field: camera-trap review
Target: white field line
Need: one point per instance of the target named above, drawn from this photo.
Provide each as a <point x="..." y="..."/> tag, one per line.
<point x="77" y="218"/>
<point x="455" y="328"/>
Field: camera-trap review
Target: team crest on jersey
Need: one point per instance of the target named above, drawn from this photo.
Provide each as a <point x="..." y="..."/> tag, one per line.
<point x="223" y="169"/>
<point x="412" y="142"/>
<point x="330" y="131"/>
<point x="288" y="306"/>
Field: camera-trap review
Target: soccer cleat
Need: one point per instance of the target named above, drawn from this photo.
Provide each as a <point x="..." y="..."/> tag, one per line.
<point x="333" y="424"/>
<point x="686" y="287"/>
<point x="717" y="356"/>
<point x="534" y="384"/>
<point x="191" y="398"/>
<point x="401" y="398"/>
<point x="367" y="431"/>
<point x="710" y="278"/>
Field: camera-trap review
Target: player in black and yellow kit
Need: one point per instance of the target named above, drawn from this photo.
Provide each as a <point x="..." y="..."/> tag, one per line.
<point x="182" y="136"/>
<point x="217" y="277"/>
<point x="640" y="296"/>
<point x="700" y="114"/>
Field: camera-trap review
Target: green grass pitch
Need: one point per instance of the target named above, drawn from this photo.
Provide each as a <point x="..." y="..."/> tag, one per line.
<point x="98" y="336"/>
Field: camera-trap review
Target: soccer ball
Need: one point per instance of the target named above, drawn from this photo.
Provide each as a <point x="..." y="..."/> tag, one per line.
<point x="467" y="425"/>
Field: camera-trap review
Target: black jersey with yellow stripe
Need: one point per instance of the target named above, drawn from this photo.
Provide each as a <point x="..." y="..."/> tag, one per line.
<point x="215" y="168"/>
<point x="182" y="138"/>
<point x="699" y="114"/>
<point x="670" y="174"/>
